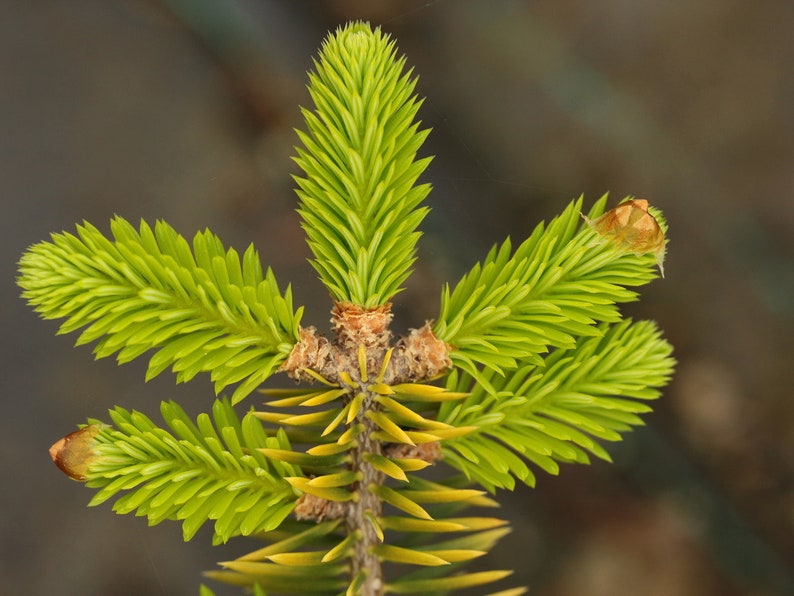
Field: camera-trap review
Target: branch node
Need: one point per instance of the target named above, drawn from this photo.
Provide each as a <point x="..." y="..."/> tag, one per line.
<point x="356" y="325"/>
<point x="318" y="509"/>
<point x="312" y="351"/>
<point x="429" y="452"/>
<point x="419" y="356"/>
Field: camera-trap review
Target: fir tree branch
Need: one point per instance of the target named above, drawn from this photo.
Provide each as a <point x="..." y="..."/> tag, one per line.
<point x="208" y="470"/>
<point x="202" y="310"/>
<point x="557" y="285"/>
<point x="359" y="197"/>
<point x="557" y="410"/>
<point x="540" y="365"/>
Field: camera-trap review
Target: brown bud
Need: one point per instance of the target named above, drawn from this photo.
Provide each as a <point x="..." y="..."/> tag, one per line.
<point x="318" y="509"/>
<point x="429" y="452"/>
<point x="419" y="356"/>
<point x="630" y="226"/>
<point x="356" y="325"/>
<point x="74" y="453"/>
<point x="312" y="351"/>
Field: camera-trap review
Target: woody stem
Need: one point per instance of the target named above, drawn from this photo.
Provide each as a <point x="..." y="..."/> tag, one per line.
<point x="366" y="506"/>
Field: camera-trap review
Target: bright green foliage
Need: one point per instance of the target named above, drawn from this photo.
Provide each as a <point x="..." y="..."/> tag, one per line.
<point x="202" y="310"/>
<point x="359" y="198"/>
<point x="208" y="470"/>
<point x="544" y="366"/>
<point x="555" y="287"/>
<point x="557" y="410"/>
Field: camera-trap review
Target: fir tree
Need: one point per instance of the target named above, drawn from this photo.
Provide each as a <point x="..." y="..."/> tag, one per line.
<point x="527" y="364"/>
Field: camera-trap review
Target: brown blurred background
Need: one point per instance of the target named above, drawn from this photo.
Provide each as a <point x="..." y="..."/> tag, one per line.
<point x="184" y="110"/>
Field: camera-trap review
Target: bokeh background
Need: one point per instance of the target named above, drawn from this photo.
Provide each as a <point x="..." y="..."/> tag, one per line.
<point x="184" y="110"/>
